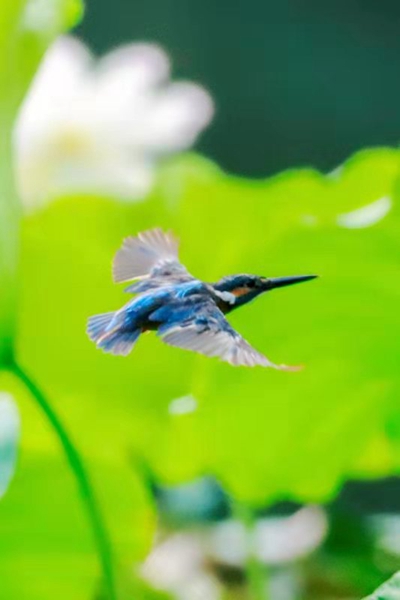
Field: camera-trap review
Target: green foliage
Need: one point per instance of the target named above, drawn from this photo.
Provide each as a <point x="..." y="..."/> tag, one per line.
<point x="265" y="435"/>
<point x="248" y="421"/>
<point x="39" y="529"/>
<point x="388" y="591"/>
<point x="43" y="528"/>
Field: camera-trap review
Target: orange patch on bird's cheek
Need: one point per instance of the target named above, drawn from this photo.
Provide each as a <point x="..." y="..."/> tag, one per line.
<point x="241" y="291"/>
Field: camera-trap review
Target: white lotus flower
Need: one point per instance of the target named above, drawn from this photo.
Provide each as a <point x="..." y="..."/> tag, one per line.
<point x="101" y="126"/>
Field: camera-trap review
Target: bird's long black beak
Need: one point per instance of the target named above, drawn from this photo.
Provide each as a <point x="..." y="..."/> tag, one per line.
<point x="277" y="282"/>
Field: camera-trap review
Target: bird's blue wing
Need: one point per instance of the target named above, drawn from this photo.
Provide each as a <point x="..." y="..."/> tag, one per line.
<point x="116" y="332"/>
<point x="155" y="283"/>
<point x="153" y="255"/>
<point x="197" y="324"/>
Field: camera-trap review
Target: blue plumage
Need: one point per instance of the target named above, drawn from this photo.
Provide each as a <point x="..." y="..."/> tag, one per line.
<point x="184" y="311"/>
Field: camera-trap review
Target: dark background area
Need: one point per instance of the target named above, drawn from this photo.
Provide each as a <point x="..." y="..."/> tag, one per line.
<point x="296" y="82"/>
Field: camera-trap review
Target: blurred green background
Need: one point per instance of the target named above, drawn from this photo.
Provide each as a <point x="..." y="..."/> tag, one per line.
<point x="167" y="475"/>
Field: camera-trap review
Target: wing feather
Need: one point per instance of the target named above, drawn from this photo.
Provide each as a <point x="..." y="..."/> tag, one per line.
<point x="152" y="253"/>
<point x="208" y="332"/>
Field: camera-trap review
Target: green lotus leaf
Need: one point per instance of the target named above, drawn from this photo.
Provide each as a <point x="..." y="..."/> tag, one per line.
<point x="264" y="434"/>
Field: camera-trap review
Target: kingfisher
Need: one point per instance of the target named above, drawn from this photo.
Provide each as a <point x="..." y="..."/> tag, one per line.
<point x="184" y="311"/>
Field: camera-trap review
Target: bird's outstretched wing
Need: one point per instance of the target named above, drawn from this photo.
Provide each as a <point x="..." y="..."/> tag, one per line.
<point x="197" y="324"/>
<point x="153" y="255"/>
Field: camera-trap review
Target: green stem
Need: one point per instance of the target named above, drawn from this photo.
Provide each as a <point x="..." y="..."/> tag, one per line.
<point x="75" y="461"/>
<point x="257" y="579"/>
<point x="256" y="572"/>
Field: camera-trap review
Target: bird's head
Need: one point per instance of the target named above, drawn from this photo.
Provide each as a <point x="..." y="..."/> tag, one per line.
<point x="247" y="287"/>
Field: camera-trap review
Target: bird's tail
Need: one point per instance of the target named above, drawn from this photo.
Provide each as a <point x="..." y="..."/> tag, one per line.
<point x="98" y="324"/>
<point x="111" y="339"/>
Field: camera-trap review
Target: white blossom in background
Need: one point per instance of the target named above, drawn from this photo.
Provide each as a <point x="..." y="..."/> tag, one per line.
<point x="183" y="563"/>
<point x="177" y="565"/>
<point x="274" y="540"/>
<point x="101" y="126"/>
<point x="386" y="528"/>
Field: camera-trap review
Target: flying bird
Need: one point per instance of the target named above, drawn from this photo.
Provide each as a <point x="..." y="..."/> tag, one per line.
<point x="183" y="310"/>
